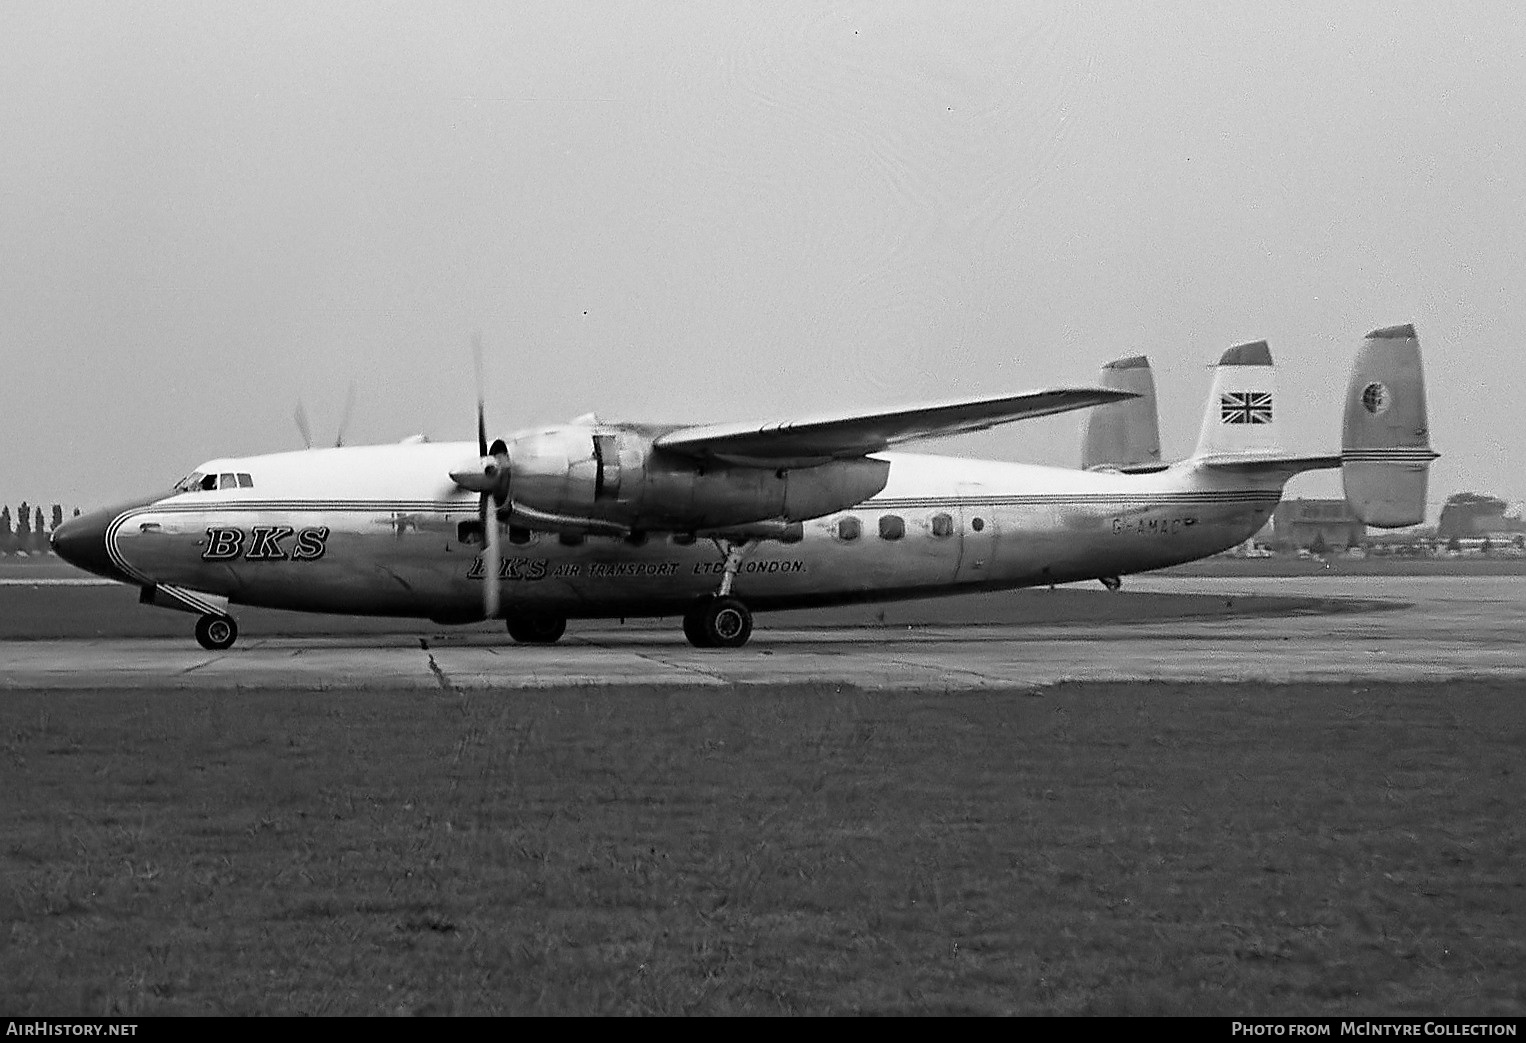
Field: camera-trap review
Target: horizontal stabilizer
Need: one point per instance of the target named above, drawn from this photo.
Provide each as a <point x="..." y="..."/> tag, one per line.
<point x="1252" y="463"/>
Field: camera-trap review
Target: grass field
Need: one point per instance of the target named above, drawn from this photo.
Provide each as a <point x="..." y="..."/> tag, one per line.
<point x="1087" y="849"/>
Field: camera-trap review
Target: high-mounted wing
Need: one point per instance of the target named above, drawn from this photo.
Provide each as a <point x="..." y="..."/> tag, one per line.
<point x="816" y="440"/>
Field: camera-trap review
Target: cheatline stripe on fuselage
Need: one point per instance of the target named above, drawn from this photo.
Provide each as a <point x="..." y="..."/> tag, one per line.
<point x="190" y="597"/>
<point x="1203" y="497"/>
<point x="1417" y="454"/>
<point x="115" y="554"/>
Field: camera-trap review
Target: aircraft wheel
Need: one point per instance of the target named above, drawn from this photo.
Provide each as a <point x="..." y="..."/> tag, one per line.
<point x="694" y="626"/>
<point x="215" y="633"/>
<point x="536" y="630"/>
<point x="718" y="623"/>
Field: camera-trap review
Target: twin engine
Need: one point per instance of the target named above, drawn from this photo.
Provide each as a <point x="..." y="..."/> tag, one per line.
<point x="615" y="475"/>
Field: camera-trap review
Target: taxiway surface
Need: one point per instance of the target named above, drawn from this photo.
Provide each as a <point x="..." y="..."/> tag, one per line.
<point x="1438" y="628"/>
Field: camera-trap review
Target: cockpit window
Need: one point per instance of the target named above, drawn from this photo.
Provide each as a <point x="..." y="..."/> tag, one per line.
<point x="198" y="482"/>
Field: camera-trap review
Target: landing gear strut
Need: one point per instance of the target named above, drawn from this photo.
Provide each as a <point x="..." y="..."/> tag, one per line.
<point x="216" y="633"/>
<point x="536" y="630"/>
<point x="720" y="620"/>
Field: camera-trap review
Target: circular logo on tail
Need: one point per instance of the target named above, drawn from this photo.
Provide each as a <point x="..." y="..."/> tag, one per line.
<point x="1376" y="399"/>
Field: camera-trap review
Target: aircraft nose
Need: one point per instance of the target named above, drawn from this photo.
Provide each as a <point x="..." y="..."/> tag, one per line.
<point x="81" y="542"/>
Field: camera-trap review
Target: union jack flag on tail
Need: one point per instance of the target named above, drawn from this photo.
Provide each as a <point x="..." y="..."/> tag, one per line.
<point x="1245" y="407"/>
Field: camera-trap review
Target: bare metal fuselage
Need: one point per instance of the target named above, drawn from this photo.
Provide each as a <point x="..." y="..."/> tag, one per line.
<point x="378" y="530"/>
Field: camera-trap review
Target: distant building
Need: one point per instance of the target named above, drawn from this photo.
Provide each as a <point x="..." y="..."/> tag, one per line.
<point x="1473" y="514"/>
<point x="1311" y="523"/>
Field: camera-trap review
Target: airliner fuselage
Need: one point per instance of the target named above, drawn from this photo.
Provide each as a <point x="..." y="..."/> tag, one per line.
<point x="309" y="531"/>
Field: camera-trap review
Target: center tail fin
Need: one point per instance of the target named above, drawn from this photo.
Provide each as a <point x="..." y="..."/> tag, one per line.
<point x="1241" y="415"/>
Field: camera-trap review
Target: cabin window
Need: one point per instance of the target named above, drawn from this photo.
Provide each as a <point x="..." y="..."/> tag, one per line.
<point x="519" y="535"/>
<point x="892" y="527"/>
<point x="943" y="526"/>
<point x="245" y="481"/>
<point x="636" y="538"/>
<point x="793" y="533"/>
<point x="570" y="539"/>
<point x="470" y="532"/>
<point x="848" y="529"/>
<point x="978" y="524"/>
<point x="683" y="539"/>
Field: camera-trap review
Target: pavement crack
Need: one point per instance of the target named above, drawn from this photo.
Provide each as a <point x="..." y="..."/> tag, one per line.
<point x="434" y="668"/>
<point x="718" y="678"/>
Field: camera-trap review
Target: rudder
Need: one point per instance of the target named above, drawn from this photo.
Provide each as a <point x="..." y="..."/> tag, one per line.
<point x="1386" y="440"/>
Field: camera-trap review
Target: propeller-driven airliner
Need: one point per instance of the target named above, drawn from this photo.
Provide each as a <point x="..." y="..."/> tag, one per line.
<point x="710" y="523"/>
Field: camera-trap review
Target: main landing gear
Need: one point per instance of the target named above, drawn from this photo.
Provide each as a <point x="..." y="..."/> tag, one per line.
<point x="216" y="633"/>
<point x="720" y="620"/>
<point x="536" y="630"/>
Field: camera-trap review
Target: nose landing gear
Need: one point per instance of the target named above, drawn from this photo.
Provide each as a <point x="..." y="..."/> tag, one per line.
<point x="216" y="633"/>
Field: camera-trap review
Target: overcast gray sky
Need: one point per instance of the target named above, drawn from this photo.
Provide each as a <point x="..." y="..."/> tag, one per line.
<point x="717" y="211"/>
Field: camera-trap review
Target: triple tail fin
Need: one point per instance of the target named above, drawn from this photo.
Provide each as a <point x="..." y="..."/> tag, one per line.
<point x="1385" y="453"/>
<point x="1124" y="436"/>
<point x="1241" y="419"/>
<point x="1386" y="440"/>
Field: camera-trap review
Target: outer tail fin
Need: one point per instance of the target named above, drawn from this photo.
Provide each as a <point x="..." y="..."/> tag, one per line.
<point x="1240" y="419"/>
<point x="1386" y="441"/>
<point x="1124" y="435"/>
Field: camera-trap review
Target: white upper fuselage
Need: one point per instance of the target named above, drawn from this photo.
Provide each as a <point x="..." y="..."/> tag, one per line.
<point x="379" y="530"/>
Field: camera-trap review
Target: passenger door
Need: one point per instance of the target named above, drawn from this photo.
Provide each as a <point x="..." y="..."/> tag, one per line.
<point x="978" y="534"/>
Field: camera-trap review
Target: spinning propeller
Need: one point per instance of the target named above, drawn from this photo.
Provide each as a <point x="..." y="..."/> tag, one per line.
<point x="491" y="479"/>
<point x="300" y="416"/>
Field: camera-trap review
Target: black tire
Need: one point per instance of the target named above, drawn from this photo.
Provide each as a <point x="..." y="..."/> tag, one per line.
<point x="536" y="630"/>
<point x="720" y="623"/>
<point x="216" y="633"/>
<point x="694" y="624"/>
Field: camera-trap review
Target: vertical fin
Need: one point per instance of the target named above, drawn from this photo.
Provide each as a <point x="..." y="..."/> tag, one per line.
<point x="1241" y="413"/>
<point x="1127" y="433"/>
<point x="1386" y="440"/>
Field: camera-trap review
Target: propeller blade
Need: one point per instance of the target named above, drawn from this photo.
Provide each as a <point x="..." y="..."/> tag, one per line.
<point x="491" y="555"/>
<point x="481" y="394"/>
<point x="344" y="419"/>
<point x="300" y="416"/>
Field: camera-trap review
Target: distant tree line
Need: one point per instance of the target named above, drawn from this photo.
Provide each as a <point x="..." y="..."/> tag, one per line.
<point x="28" y="530"/>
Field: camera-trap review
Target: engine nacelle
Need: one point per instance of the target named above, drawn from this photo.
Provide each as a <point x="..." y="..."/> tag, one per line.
<point x="614" y="474"/>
